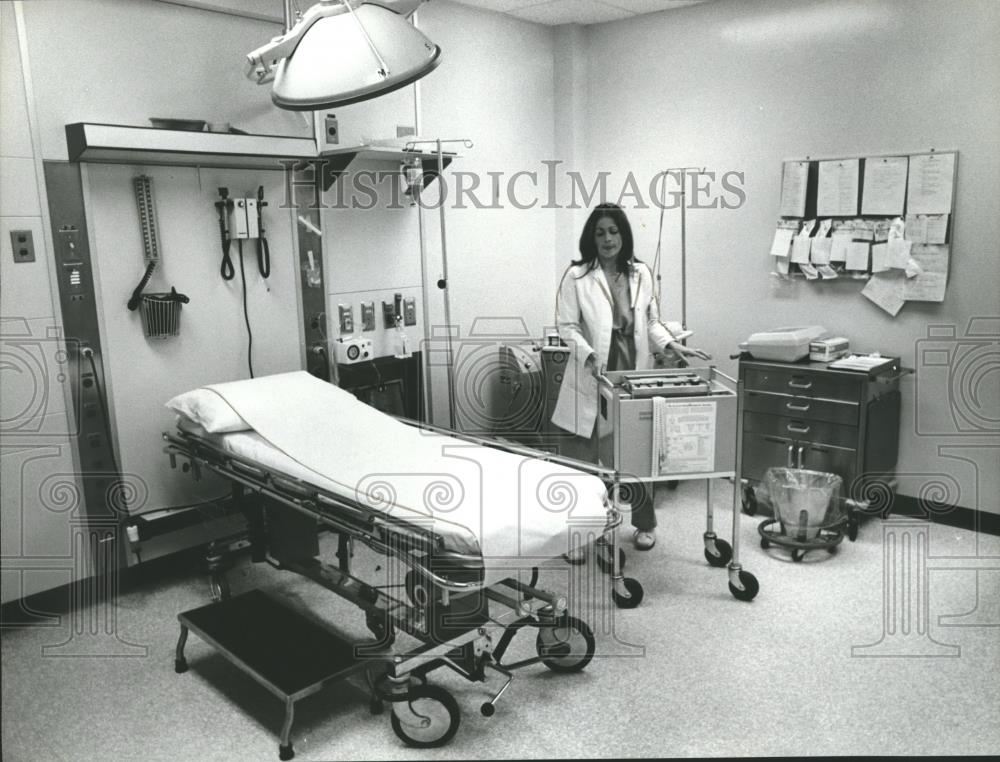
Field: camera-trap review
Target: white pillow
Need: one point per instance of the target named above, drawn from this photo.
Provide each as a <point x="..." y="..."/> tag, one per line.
<point x="208" y="410"/>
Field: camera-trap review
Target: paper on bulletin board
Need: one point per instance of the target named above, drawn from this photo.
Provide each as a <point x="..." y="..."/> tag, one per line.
<point x="683" y="437"/>
<point x="927" y="228"/>
<point x="837" y="188"/>
<point x="794" y="180"/>
<point x="782" y="242"/>
<point x="885" y="290"/>
<point x="841" y="242"/>
<point x="930" y="284"/>
<point x="857" y="256"/>
<point x="931" y="183"/>
<point x="884" y="189"/>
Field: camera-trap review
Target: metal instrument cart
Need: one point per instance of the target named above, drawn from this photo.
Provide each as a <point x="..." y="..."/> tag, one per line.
<point x="699" y="408"/>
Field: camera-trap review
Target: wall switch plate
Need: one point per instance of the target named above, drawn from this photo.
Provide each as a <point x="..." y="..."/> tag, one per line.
<point x="23" y="245"/>
<point x="346" y="318"/>
<point x="68" y="243"/>
<point x="389" y="314"/>
<point x="367" y="316"/>
<point x="410" y="311"/>
<point x="332" y="132"/>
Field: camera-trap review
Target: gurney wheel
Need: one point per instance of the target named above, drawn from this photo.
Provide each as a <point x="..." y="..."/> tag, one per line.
<point x="285" y="752"/>
<point x="749" y="501"/>
<point x="634" y="596"/>
<point x="560" y="645"/>
<point x="430" y="719"/>
<point x="852" y="529"/>
<point x="750" y="587"/>
<point x="725" y="554"/>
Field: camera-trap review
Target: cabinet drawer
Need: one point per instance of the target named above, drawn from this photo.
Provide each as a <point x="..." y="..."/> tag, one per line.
<point x="803" y="383"/>
<point x="761" y="452"/>
<point x="800" y="428"/>
<point x="803" y="408"/>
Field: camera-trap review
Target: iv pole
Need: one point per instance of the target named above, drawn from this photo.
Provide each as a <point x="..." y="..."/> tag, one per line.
<point x="683" y="182"/>
<point x="442" y="282"/>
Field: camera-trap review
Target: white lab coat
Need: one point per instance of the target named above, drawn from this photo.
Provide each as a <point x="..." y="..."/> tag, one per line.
<point x="584" y="316"/>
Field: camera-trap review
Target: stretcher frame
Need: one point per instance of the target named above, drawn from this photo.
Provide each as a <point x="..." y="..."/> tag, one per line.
<point x="431" y="596"/>
<point x="742" y="584"/>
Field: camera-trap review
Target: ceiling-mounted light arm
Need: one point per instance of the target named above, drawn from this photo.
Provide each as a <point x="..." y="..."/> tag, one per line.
<point x="262" y="62"/>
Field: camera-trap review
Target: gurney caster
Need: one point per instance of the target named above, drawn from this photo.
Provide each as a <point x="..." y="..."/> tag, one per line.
<point x="428" y="718"/>
<point x="718" y="552"/>
<point x="632" y="596"/>
<point x="742" y="584"/>
<point x="567" y="646"/>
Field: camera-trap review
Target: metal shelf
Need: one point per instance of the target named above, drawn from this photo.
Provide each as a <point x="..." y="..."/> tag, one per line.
<point x="333" y="163"/>
<point x="122" y="144"/>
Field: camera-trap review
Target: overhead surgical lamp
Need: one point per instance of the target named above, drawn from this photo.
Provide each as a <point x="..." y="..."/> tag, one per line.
<point x="340" y="52"/>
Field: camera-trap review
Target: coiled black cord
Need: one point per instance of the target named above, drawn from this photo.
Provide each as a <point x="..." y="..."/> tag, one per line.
<point x="246" y="313"/>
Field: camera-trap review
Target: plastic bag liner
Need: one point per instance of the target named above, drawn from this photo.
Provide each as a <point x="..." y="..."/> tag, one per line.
<point x="804" y="501"/>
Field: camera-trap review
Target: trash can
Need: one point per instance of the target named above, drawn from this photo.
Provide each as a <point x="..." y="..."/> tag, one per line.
<point x="807" y="508"/>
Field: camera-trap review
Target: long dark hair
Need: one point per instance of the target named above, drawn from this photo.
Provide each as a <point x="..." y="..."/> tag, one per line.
<point x="588" y="246"/>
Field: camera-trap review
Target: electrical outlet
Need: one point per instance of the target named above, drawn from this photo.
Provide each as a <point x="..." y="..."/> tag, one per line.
<point x="389" y="314"/>
<point x="346" y="318"/>
<point x="367" y="316"/>
<point x="23" y="245"/>
<point x="332" y="132"/>
<point x="410" y="311"/>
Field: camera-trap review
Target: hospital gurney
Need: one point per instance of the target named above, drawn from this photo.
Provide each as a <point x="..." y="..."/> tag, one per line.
<point x="674" y="424"/>
<point x="460" y="603"/>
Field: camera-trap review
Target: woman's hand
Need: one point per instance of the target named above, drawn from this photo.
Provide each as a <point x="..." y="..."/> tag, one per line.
<point x="591" y="365"/>
<point x="689" y="351"/>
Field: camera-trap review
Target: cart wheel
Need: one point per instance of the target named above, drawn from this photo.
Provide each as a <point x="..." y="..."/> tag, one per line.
<point x="749" y="502"/>
<point x="285" y="752"/>
<point x="219" y="587"/>
<point x="852" y="529"/>
<point x="418" y="590"/>
<point x="634" y="594"/>
<point x="724" y="554"/>
<point x="750" y="587"/>
<point x="797" y="555"/>
<point x="567" y="646"/>
<point x="765" y="543"/>
<point x="832" y="550"/>
<point x="604" y="563"/>
<point x="430" y="717"/>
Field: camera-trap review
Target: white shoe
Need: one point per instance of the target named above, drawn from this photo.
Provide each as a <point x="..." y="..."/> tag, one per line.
<point x="644" y="539"/>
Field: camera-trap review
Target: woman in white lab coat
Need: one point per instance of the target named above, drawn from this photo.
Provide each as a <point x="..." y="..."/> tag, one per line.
<point x="607" y="315"/>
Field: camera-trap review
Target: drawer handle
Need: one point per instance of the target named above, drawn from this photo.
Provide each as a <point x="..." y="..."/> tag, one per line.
<point x="800" y="408"/>
<point x="806" y="385"/>
<point x="798" y="429"/>
<point x="802" y="460"/>
<point x="791" y="452"/>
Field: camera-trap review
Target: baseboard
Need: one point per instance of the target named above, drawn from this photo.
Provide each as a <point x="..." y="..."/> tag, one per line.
<point x="950" y="515"/>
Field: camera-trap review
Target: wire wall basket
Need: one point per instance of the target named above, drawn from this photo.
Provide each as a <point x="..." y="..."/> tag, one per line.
<point x="161" y="314"/>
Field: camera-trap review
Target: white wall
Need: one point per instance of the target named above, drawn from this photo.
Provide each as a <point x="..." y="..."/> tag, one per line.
<point x="743" y="86"/>
<point x="37" y="505"/>
<point x="495" y="87"/>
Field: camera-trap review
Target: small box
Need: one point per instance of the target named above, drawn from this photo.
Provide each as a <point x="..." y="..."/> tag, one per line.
<point x="827" y="350"/>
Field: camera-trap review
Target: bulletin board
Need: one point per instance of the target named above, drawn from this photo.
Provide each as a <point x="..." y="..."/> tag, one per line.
<point x="886" y="220"/>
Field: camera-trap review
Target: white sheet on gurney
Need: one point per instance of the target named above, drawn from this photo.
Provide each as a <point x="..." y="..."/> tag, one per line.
<point x="514" y="506"/>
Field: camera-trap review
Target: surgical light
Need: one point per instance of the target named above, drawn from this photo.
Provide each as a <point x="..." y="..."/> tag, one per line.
<point x="340" y="52"/>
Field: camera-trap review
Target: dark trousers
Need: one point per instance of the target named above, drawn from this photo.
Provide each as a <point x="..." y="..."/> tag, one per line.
<point x="639" y="494"/>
